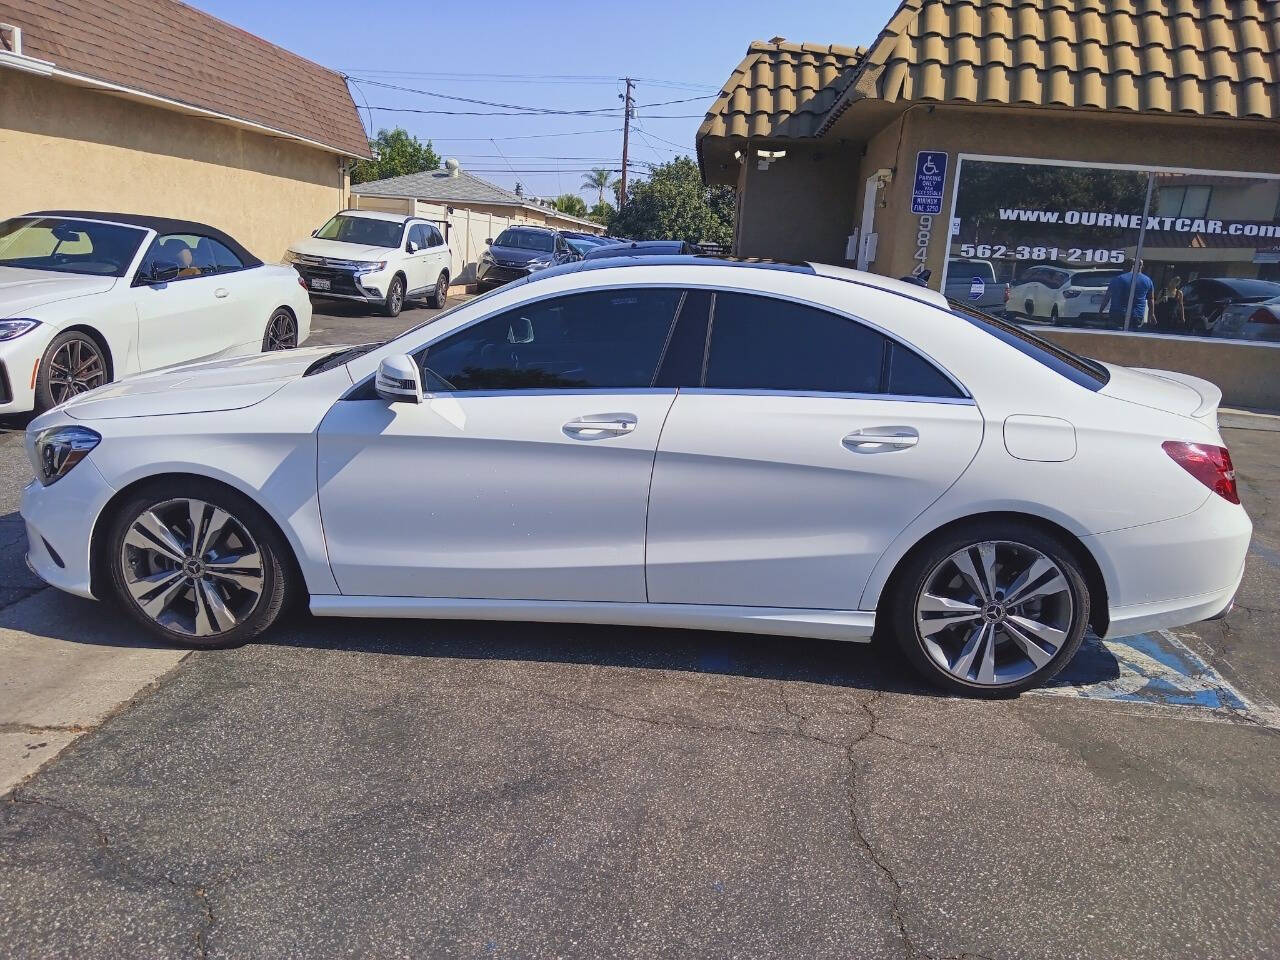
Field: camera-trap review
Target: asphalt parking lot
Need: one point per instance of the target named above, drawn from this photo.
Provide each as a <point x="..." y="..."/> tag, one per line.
<point x="379" y="788"/>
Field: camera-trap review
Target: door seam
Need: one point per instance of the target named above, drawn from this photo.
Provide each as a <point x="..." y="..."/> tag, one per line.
<point x="648" y="500"/>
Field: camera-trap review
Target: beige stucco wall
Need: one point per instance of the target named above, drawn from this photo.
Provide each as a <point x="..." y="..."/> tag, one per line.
<point x="1247" y="373"/>
<point x="63" y="146"/>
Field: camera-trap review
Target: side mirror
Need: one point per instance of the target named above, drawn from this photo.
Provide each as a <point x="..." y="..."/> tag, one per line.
<point x="489" y="242"/>
<point x="411" y="247"/>
<point x="315" y="231"/>
<point x="160" y="273"/>
<point x="398" y="380"/>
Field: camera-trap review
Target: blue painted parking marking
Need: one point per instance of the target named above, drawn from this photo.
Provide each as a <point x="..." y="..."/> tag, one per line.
<point x="1153" y="668"/>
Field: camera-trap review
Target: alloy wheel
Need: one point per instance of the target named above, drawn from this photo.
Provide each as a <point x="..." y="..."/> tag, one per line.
<point x="396" y="300"/>
<point x="76" y="367"/>
<point x="192" y="567"/>
<point x="442" y="290"/>
<point x="282" y="331"/>
<point x="994" y="612"/>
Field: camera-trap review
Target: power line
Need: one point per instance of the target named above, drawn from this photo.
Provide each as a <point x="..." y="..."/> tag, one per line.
<point x="531" y="136"/>
<point x="488" y="103"/>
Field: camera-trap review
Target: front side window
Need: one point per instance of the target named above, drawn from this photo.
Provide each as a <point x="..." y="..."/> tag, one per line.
<point x="605" y="339"/>
<point x="418" y="235"/>
<point x="68" y="246"/>
<point x="193" y="255"/>
<point x="366" y="231"/>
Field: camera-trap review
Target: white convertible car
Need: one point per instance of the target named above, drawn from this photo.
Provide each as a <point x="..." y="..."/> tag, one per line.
<point x="87" y="298"/>
<point x="678" y="442"/>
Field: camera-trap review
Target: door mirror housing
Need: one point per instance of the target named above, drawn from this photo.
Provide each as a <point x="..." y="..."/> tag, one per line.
<point x="411" y="247"/>
<point x="398" y="380"/>
<point x="489" y="242"/>
<point x="161" y="272"/>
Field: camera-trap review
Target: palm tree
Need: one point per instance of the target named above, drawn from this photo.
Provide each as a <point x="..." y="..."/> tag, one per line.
<point x="599" y="179"/>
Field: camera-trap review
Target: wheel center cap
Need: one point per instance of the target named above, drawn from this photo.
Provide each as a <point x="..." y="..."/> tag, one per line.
<point x="192" y="567"/>
<point x="994" y="612"/>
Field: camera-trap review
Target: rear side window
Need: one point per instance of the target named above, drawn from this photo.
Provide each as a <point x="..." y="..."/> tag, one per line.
<point x="1081" y="370"/>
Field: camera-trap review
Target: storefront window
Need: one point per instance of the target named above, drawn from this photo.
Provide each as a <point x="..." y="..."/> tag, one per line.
<point x="1046" y="243"/>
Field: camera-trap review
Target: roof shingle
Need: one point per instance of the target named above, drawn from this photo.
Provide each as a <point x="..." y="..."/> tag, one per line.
<point x="439" y="187"/>
<point x="168" y="49"/>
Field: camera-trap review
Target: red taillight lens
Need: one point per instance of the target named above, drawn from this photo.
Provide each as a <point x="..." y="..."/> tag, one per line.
<point x="1006" y="293"/>
<point x="1071" y="294"/>
<point x="302" y="283"/>
<point x="1210" y="465"/>
<point x="1263" y="315"/>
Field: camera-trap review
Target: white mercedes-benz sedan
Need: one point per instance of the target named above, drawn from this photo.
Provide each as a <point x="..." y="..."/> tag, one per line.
<point x="679" y="442"/>
<point x="87" y="298"/>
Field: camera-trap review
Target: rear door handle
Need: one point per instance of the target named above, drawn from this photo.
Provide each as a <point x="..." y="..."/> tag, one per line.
<point x="221" y="292"/>
<point x="881" y="439"/>
<point x="596" y="426"/>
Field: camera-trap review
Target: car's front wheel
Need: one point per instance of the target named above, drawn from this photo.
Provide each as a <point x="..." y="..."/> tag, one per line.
<point x="196" y="563"/>
<point x="72" y="364"/>
<point x="395" y="298"/>
<point x="991" y="610"/>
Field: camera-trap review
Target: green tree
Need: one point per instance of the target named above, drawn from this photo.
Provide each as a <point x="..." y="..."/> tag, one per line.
<point x="571" y="204"/>
<point x="674" y="204"/>
<point x="599" y="179"/>
<point x="396" y="152"/>
<point x="603" y="213"/>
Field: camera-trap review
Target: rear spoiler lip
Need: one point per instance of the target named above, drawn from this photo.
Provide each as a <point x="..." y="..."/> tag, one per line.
<point x="1210" y="393"/>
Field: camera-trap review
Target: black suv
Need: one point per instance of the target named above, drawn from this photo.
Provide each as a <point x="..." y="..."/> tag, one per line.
<point x="520" y="251"/>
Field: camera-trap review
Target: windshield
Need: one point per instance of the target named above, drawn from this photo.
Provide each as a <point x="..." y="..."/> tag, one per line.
<point x="525" y="240"/>
<point x="963" y="271"/>
<point x="365" y="231"/>
<point x="69" y="246"/>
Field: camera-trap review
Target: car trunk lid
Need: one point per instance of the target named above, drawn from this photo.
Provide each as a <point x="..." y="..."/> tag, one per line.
<point x="1167" y="390"/>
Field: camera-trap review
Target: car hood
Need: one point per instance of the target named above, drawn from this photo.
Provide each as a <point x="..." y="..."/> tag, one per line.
<point x="196" y="387"/>
<point x="338" y="250"/>
<point x="1178" y="393"/>
<point x="518" y="255"/>
<point x="20" y="289"/>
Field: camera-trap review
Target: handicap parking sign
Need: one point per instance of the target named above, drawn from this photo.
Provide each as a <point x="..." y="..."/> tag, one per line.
<point x="931" y="173"/>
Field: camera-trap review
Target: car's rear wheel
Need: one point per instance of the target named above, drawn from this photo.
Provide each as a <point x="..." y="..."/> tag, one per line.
<point x="395" y="298"/>
<point x="991" y="610"/>
<point x="441" y="292"/>
<point x="197" y="564"/>
<point x="72" y="364"/>
<point x="1053" y="317"/>
<point x="282" y="331"/>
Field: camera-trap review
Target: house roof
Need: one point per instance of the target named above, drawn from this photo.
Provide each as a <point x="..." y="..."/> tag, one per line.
<point x="781" y="90"/>
<point x="1210" y="58"/>
<point x="440" y="187"/>
<point x="166" y="49"/>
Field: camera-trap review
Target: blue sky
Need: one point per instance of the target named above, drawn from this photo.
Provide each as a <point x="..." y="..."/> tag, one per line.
<point x="568" y="54"/>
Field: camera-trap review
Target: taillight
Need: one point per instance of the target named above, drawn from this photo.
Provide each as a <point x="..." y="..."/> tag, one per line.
<point x="1007" y="294"/>
<point x="1071" y="294"/>
<point x="1209" y="464"/>
<point x="302" y="283"/>
<point x="1263" y="315"/>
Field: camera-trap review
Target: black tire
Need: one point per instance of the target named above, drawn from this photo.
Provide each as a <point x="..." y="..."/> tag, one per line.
<point x="281" y="332"/>
<point x="52" y="386"/>
<point x="440" y="293"/>
<point x="912" y="578"/>
<point x="277" y="578"/>
<point x="394" y="303"/>
<point x="1054" y="319"/>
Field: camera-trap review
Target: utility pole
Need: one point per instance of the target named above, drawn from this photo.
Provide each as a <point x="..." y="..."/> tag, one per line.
<point x="626" y="137"/>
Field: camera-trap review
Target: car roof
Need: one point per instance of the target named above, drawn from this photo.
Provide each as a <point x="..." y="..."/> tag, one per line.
<point x="378" y="215"/>
<point x="531" y="227"/>
<point x="161" y="225"/>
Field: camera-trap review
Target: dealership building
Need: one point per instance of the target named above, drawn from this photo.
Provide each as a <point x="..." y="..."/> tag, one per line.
<point x="1034" y="147"/>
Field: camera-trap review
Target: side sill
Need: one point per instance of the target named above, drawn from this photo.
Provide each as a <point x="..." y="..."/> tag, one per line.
<point x="855" y="625"/>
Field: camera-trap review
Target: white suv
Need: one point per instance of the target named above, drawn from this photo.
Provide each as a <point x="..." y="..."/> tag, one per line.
<point x="378" y="258"/>
<point x="1062" y="295"/>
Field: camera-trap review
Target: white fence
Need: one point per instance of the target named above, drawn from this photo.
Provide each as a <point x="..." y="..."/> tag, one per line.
<point x="466" y="230"/>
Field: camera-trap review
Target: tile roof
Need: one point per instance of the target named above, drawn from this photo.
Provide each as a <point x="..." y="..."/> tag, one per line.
<point x="781" y="89"/>
<point x="438" y="186"/>
<point x="1190" y="57"/>
<point x="168" y="49"/>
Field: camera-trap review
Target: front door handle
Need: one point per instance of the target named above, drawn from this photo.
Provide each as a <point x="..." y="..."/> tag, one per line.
<point x="881" y="439"/>
<point x="596" y="426"/>
<point x="221" y="292"/>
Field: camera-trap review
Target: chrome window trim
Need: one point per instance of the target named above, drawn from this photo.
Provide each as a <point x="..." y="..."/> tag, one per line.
<point x="828" y="395"/>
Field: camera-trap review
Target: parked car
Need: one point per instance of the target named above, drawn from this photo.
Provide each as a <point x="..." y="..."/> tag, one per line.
<point x="87" y="298"/>
<point x="1206" y="300"/>
<point x="1062" y="295"/>
<point x="964" y="275"/>
<point x="793" y="449"/>
<point x="382" y="259"/>
<point x="520" y="251"/>
<point x="584" y="244"/>
<point x="1250" y="321"/>
<point x="593" y="239"/>
<point x="644" y="248"/>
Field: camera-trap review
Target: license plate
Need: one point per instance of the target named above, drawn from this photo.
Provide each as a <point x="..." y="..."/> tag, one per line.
<point x="319" y="283"/>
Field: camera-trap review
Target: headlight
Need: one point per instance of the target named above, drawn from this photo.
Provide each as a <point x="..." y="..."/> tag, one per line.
<point x="58" y="449"/>
<point x="365" y="266"/>
<point x="16" y="328"/>
<point x="486" y="257"/>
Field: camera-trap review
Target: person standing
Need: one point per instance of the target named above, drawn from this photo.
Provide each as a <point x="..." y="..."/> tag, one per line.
<point x="1117" y="297"/>
<point x="1170" y="312"/>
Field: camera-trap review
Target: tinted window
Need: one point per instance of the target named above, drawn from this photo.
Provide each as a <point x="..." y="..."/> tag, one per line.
<point x="418" y="235"/>
<point x="686" y="347"/>
<point x="68" y="246"/>
<point x="766" y="344"/>
<point x="1087" y="373"/>
<point x="966" y="270"/>
<point x="1245" y="287"/>
<point x="597" y="340"/>
<point x="434" y="239"/>
<point x="193" y="255"/>
<point x="910" y="375"/>
<point x="1093" y="278"/>
<point x="525" y="239"/>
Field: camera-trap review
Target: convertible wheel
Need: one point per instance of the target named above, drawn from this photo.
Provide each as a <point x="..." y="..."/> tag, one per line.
<point x="991" y="613"/>
<point x="441" y="292"/>
<point x="395" y="298"/>
<point x="72" y="364"/>
<point x="282" y="332"/>
<point x="197" y="564"/>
